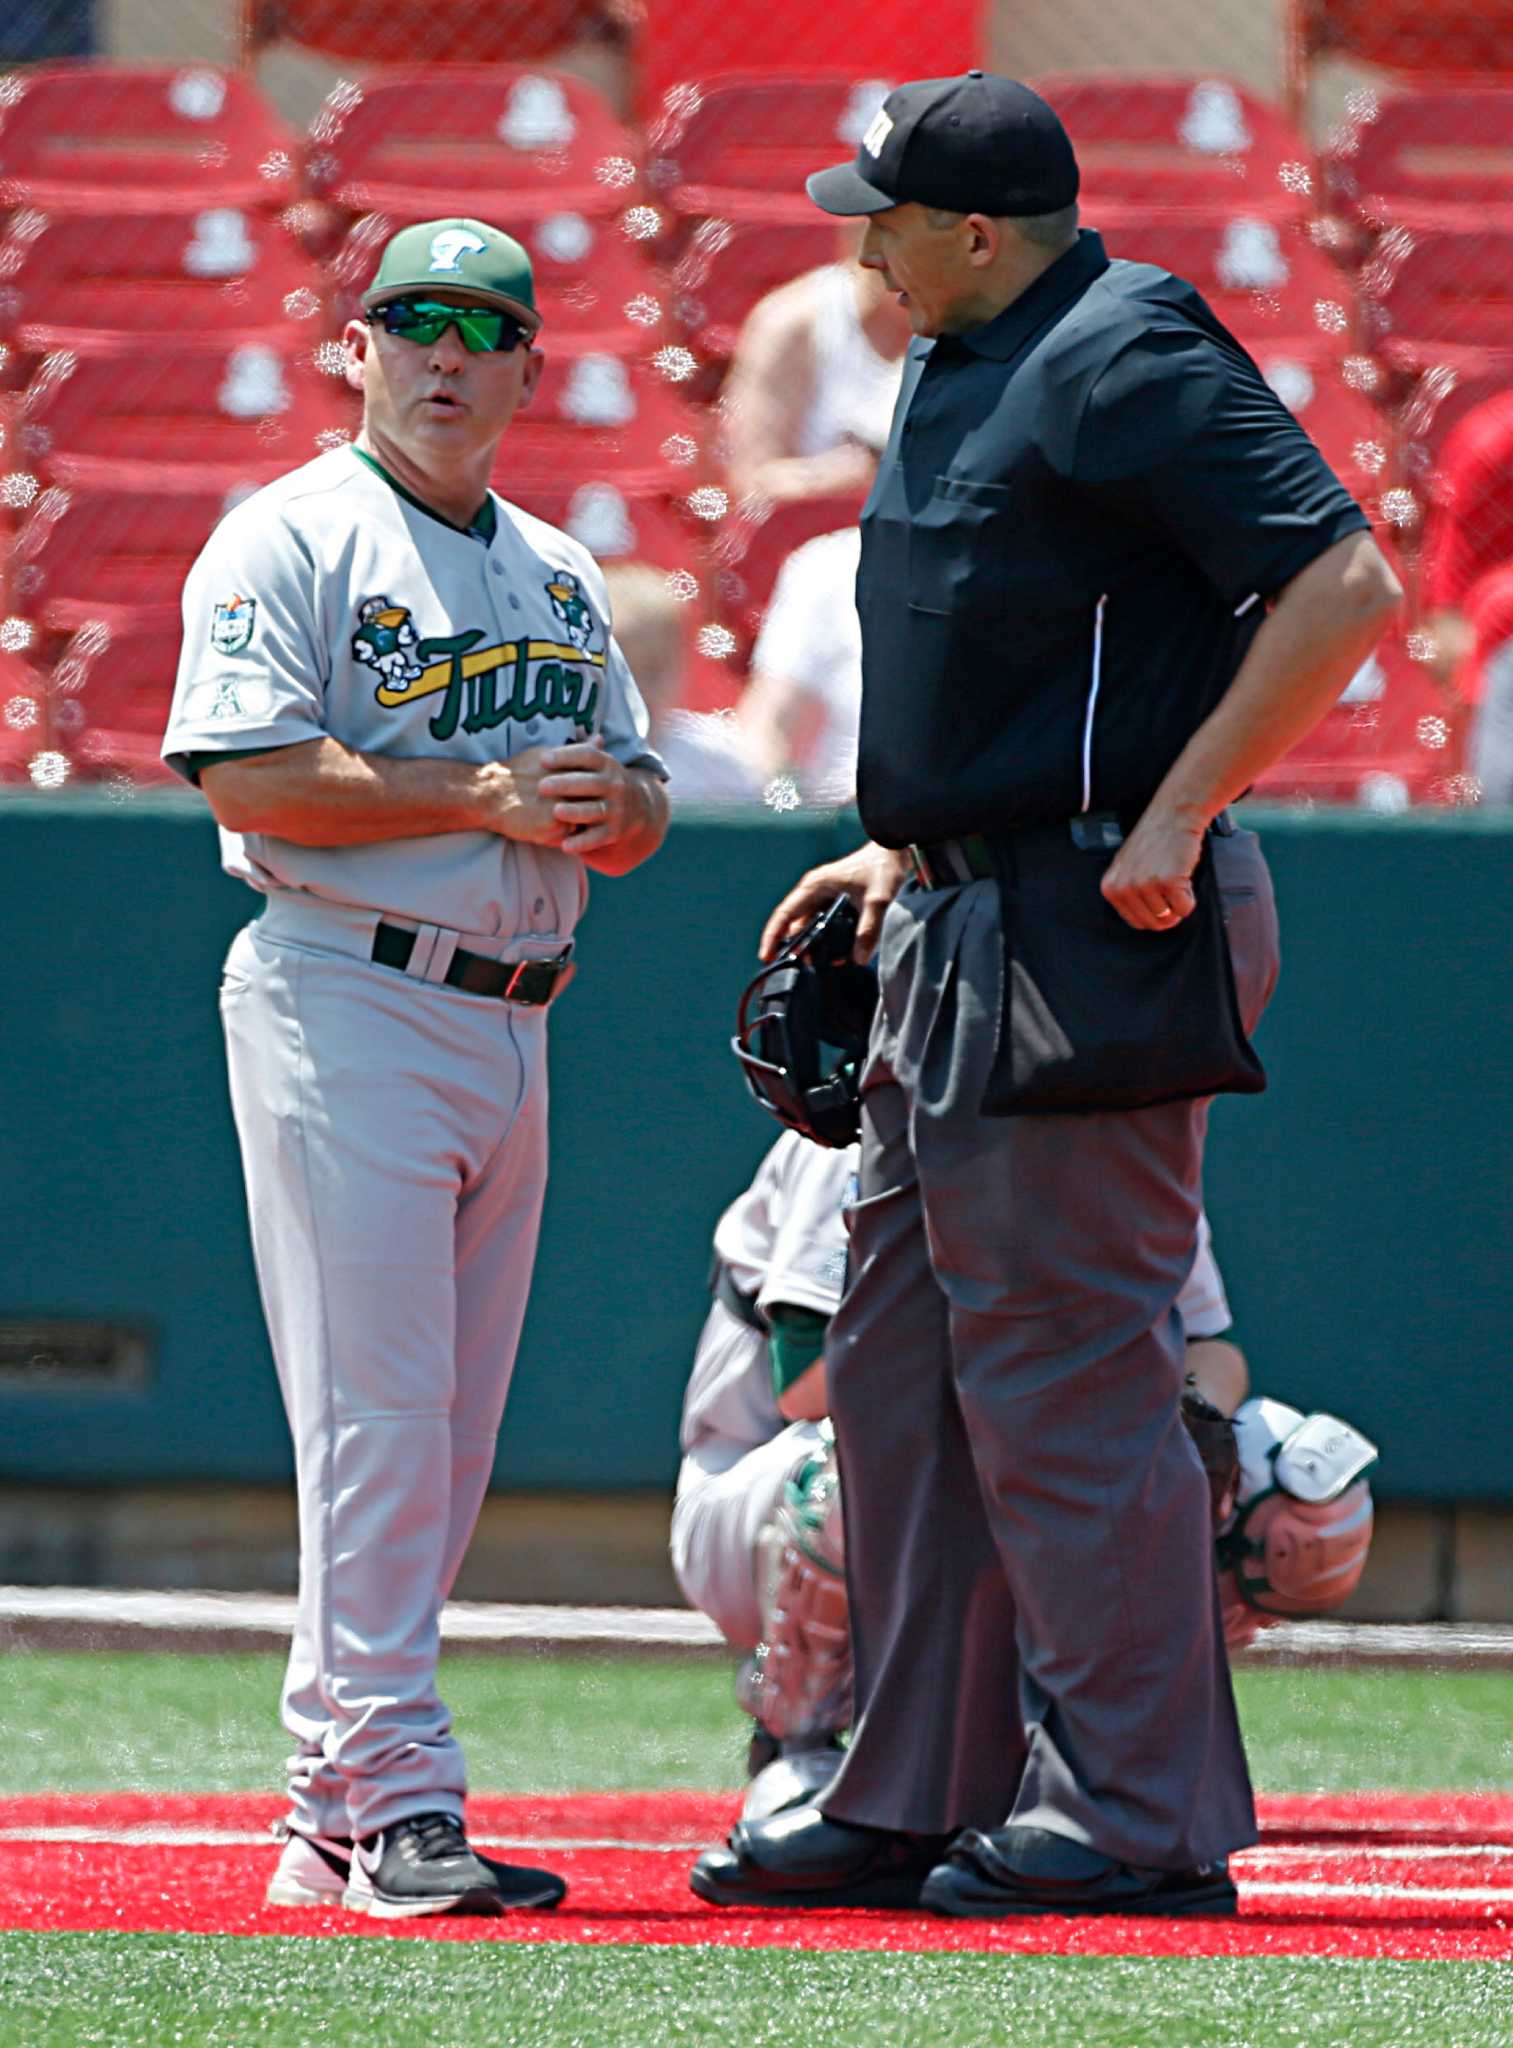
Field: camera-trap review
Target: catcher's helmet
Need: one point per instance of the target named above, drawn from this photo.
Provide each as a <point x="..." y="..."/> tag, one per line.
<point x="1302" y="1526"/>
<point x="813" y="1001"/>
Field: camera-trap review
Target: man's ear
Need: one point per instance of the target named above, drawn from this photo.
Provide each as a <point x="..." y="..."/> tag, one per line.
<point x="356" y="340"/>
<point x="535" y="363"/>
<point x="984" y="239"/>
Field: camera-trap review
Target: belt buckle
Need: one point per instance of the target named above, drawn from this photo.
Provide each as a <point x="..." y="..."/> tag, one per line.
<point x="532" y="982"/>
<point x="522" y="984"/>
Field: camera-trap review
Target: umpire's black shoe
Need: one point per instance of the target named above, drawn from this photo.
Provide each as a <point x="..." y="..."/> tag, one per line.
<point x="799" y="1858"/>
<point x="423" y="1864"/>
<point x="1017" y="1870"/>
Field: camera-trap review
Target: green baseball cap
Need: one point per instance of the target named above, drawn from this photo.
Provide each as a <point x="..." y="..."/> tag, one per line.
<point x="457" y="256"/>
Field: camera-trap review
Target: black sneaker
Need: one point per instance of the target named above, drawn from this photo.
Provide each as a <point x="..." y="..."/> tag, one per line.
<point x="423" y="1864"/>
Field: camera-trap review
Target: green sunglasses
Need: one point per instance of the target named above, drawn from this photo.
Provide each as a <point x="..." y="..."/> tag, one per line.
<point x="484" y="329"/>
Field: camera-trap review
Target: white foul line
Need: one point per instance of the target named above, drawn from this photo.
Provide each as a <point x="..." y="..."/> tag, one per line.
<point x="257" y="1617"/>
<point x="1369" y="1852"/>
<point x="1446" y="1895"/>
<point x="1254" y="1885"/>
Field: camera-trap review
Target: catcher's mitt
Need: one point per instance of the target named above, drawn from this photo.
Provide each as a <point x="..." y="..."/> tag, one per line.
<point x="812" y="1004"/>
<point x="1213" y="1435"/>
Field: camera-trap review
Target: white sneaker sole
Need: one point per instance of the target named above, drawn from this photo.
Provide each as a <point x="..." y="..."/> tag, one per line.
<point x="378" y="1908"/>
<point x="288" y="1892"/>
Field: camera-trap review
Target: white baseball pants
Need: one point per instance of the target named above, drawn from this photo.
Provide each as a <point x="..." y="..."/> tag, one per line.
<point x="394" y="1142"/>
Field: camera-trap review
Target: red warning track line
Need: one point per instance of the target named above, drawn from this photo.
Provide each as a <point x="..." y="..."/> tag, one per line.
<point x="1372" y="1875"/>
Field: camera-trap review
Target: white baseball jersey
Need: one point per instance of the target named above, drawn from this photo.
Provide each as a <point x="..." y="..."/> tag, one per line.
<point x="784" y="1240"/>
<point x="332" y="603"/>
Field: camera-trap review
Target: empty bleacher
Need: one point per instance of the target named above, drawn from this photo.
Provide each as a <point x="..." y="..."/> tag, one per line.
<point x="176" y="268"/>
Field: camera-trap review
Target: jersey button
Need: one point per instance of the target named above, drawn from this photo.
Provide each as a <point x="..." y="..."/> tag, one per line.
<point x="497" y="567"/>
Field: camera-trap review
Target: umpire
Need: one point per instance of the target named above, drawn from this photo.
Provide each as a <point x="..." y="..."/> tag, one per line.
<point x="1106" y="579"/>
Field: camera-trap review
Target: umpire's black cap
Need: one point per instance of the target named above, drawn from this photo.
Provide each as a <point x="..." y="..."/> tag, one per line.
<point x="974" y="144"/>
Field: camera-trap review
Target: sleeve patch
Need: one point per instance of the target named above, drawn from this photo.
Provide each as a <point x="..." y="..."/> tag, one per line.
<point x="230" y="699"/>
<point x="231" y="624"/>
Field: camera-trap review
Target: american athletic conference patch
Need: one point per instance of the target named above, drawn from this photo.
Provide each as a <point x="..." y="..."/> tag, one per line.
<point x="231" y="624"/>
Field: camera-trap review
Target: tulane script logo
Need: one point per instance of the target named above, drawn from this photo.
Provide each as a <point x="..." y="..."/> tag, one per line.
<point x="480" y="687"/>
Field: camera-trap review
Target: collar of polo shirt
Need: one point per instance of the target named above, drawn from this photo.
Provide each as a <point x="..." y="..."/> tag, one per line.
<point x="1005" y="335"/>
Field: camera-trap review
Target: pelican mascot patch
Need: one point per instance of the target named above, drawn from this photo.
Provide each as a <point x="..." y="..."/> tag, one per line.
<point x="572" y="609"/>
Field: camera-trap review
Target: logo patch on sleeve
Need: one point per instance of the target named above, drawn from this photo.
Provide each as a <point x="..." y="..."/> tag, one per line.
<point x="231" y="624"/>
<point x="230" y="700"/>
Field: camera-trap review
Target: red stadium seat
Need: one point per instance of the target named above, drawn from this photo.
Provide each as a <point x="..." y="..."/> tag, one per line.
<point x="116" y="543"/>
<point x="24" y="728"/>
<point x="471" y="139"/>
<point x="102" y="137"/>
<point x="1427" y="147"/>
<point x="114" y="283"/>
<point x="109" y="697"/>
<point x="1262" y="275"/>
<point x="394" y="31"/>
<point x="593" y="284"/>
<point x="1435" y="406"/>
<point x="1181" y="141"/>
<point x="600" y="415"/>
<point x="1385" y="744"/>
<point x="739" y="146"/>
<point x="1441" y="38"/>
<point x="1356" y="440"/>
<point x="785" y="37"/>
<point x="1431" y="294"/>
<point x="728" y="265"/>
<point x="753" y="544"/>
<point x="615" y="522"/>
<point x="232" y="401"/>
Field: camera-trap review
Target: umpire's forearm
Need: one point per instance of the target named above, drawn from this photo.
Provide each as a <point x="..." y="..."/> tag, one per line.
<point x="1324" y="625"/>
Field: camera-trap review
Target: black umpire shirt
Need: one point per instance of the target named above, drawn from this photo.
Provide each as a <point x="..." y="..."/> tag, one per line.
<point x="1081" y="511"/>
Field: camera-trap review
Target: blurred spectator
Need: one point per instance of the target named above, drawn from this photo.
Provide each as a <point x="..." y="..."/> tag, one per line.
<point x="812" y="383"/>
<point x="34" y="30"/>
<point x="1470" y="529"/>
<point x="702" y="749"/>
<point x="800" y="711"/>
<point x="1489" y="610"/>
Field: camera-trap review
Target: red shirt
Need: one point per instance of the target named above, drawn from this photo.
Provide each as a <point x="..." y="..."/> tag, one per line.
<point x="1471" y="521"/>
<point x="1489" y="607"/>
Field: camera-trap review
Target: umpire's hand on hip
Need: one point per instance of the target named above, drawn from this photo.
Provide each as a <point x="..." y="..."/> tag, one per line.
<point x="871" y="877"/>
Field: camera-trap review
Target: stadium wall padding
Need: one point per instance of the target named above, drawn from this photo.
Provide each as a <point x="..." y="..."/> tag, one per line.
<point x="1361" y="1207"/>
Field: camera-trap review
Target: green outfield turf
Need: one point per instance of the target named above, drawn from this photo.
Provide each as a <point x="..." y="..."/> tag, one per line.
<point x="87" y="1722"/>
<point x="144" y="1991"/>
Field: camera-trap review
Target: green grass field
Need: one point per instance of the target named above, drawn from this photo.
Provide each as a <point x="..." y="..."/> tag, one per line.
<point x="85" y="1723"/>
<point x="142" y="1991"/>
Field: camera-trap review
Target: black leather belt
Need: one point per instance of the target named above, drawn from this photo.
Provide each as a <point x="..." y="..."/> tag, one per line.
<point x="948" y="863"/>
<point x="530" y="983"/>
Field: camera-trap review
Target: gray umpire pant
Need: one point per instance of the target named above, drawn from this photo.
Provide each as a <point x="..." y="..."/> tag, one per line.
<point x="1034" y="1608"/>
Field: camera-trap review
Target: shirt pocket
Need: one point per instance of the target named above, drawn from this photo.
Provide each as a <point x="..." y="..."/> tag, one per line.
<point x="960" y="548"/>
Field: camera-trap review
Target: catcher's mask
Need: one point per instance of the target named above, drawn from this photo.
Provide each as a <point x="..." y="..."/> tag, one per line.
<point x="1302" y="1527"/>
<point x="812" y="1003"/>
